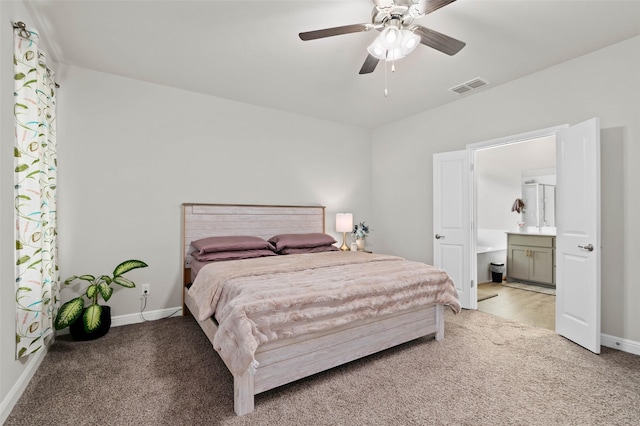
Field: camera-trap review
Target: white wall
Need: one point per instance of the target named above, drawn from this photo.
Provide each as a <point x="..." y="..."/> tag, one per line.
<point x="131" y="152"/>
<point x="603" y="84"/>
<point x="499" y="179"/>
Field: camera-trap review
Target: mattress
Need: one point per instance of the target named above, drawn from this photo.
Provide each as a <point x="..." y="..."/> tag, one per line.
<point x="195" y="266"/>
<point x="256" y="301"/>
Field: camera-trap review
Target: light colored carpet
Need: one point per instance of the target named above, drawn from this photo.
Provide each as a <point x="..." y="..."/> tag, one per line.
<point x="487" y="371"/>
<point x="530" y="287"/>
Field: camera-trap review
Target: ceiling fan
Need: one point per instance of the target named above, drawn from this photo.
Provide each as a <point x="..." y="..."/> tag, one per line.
<point x="399" y="36"/>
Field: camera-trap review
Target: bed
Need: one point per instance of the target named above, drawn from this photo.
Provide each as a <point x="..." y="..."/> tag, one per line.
<point x="290" y="356"/>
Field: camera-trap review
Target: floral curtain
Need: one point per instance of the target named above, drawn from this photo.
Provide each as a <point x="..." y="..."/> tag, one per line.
<point x="37" y="278"/>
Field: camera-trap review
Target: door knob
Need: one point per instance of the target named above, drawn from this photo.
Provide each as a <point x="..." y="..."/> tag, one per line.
<point x="438" y="236"/>
<point x="588" y="247"/>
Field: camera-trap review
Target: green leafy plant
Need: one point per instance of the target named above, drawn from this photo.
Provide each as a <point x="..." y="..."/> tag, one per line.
<point x="72" y="310"/>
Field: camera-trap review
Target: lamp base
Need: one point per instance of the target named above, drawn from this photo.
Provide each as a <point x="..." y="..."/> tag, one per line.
<point x="344" y="246"/>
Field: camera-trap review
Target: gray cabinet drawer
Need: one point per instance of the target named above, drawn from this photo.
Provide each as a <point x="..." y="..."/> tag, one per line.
<point x="532" y="240"/>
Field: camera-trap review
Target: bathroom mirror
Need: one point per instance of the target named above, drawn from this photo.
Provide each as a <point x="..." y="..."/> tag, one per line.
<point x="540" y="204"/>
<point x="539" y="196"/>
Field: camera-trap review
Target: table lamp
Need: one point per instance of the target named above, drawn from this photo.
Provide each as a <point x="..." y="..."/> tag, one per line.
<point x="344" y="224"/>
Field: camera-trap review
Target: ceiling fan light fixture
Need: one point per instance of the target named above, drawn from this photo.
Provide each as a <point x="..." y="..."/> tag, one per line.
<point x="407" y="43"/>
<point x="410" y="41"/>
<point x="395" y="54"/>
<point x="376" y="50"/>
<point x="391" y="37"/>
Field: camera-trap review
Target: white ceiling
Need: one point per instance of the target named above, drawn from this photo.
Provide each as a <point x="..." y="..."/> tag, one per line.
<point x="249" y="51"/>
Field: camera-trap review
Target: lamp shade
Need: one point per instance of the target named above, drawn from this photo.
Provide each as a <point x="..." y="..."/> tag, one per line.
<point x="344" y="222"/>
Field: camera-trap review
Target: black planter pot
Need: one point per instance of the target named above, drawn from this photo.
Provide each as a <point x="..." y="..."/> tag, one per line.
<point x="77" y="328"/>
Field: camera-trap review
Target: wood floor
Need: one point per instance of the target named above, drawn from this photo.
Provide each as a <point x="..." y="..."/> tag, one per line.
<point x="520" y="305"/>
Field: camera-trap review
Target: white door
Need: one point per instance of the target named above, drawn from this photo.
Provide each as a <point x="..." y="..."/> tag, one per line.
<point x="578" y="234"/>
<point x="452" y="222"/>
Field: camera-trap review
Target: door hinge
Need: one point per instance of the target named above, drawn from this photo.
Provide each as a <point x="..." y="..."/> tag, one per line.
<point x="473" y="283"/>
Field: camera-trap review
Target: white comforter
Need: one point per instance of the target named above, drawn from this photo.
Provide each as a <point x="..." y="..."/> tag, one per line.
<point x="256" y="301"/>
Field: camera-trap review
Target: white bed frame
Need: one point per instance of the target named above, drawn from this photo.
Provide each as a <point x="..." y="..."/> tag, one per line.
<point x="288" y="360"/>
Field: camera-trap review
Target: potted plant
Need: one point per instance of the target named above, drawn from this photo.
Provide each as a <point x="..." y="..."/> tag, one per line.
<point x="360" y="231"/>
<point x="96" y="319"/>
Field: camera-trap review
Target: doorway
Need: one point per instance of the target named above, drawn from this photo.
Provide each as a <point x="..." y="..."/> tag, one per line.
<point x="504" y="174"/>
<point x="576" y="253"/>
<point x="577" y="238"/>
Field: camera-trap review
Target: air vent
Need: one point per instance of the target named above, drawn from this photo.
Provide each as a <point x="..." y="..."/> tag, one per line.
<point x="461" y="89"/>
<point x="469" y="85"/>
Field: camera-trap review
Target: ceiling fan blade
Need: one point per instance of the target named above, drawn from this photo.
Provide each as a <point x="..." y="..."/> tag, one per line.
<point x="329" y="32"/>
<point x="438" y="41"/>
<point x="428" y="6"/>
<point x="369" y="65"/>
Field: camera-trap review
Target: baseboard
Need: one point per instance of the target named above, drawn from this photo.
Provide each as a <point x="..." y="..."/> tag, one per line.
<point x="620" y="344"/>
<point x="21" y="384"/>
<point x="145" y="316"/>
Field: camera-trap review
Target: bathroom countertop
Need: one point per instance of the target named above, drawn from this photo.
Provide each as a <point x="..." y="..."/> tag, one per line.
<point x="532" y="230"/>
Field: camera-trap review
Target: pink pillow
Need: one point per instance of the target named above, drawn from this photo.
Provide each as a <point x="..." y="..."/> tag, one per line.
<point x="232" y="255"/>
<point x="283" y="241"/>
<point x="230" y="243"/>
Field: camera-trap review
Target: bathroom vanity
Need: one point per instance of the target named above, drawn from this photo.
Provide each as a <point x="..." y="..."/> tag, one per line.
<point x="531" y="257"/>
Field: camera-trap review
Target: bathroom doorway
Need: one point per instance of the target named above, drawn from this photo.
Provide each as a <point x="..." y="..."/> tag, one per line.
<point x="576" y="253"/>
<point x="504" y="175"/>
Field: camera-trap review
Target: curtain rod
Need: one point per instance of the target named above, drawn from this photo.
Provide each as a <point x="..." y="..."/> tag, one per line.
<point x="23" y="32"/>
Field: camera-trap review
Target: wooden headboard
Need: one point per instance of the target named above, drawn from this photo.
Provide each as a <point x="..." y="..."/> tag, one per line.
<point x="265" y="221"/>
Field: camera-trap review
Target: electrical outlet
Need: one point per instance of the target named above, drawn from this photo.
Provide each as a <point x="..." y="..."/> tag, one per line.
<point x="146" y="290"/>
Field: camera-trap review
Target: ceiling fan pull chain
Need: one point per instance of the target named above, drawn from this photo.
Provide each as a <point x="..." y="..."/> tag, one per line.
<point x="393" y="61"/>
<point x="385" y="79"/>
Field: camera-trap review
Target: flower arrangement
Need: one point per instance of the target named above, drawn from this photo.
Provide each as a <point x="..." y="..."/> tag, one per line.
<point x="360" y="231"/>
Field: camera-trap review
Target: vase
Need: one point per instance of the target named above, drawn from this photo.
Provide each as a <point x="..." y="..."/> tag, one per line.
<point x="78" y="332"/>
<point x="361" y="243"/>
